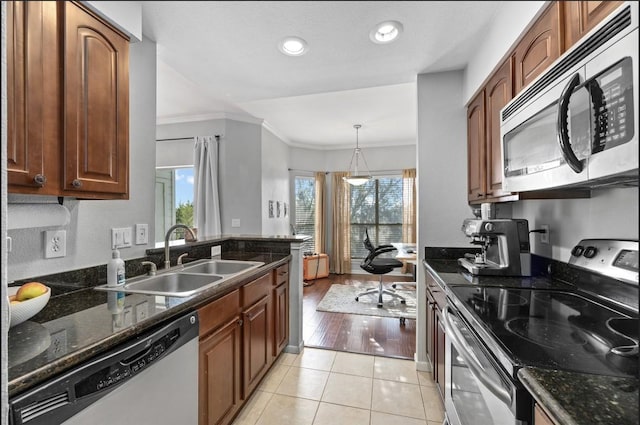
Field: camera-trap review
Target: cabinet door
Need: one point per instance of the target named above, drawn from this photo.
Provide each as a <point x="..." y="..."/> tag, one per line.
<point x="499" y="91"/>
<point x="440" y="353"/>
<point x="281" y="315"/>
<point x="219" y="381"/>
<point x="96" y="107"/>
<point x="257" y="346"/>
<point x="582" y="16"/>
<point x="476" y="149"/>
<point x="32" y="98"/>
<point x="539" y="47"/>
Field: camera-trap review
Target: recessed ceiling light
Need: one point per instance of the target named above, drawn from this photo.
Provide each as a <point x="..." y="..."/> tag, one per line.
<point x="293" y="46"/>
<point x="386" y="32"/>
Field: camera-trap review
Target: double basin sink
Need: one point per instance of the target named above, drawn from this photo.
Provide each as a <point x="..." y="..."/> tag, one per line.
<point x="187" y="280"/>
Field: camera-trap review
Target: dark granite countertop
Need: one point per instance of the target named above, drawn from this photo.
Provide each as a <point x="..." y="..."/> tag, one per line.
<point x="576" y="398"/>
<point x="76" y="323"/>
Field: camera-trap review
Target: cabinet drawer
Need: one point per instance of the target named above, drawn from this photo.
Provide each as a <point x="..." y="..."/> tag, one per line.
<point x="219" y="312"/>
<point x="255" y="290"/>
<point x="281" y="274"/>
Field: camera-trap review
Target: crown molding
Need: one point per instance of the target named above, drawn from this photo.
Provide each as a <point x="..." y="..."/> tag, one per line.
<point x="176" y="119"/>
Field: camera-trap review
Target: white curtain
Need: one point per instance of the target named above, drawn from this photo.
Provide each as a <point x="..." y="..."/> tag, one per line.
<point x="206" y="203"/>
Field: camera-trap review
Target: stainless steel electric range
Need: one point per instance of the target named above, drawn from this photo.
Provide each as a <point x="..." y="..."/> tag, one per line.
<point x="494" y="331"/>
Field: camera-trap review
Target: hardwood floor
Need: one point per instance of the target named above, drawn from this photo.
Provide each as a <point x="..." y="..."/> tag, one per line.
<point x="355" y="333"/>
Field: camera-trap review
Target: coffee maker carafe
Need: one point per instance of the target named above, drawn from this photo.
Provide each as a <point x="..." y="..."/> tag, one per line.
<point x="504" y="244"/>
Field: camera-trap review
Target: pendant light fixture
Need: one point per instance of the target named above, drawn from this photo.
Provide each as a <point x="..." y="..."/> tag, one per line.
<point x="355" y="178"/>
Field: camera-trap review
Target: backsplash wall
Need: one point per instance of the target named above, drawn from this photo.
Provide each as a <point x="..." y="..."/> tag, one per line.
<point x="608" y="214"/>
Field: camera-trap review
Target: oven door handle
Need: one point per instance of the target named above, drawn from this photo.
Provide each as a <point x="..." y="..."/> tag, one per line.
<point x="562" y="126"/>
<point x="463" y="350"/>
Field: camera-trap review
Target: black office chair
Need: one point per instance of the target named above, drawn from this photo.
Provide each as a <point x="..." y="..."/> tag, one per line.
<point x="374" y="265"/>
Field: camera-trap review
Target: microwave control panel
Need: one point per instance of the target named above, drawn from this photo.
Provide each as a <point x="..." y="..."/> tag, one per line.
<point x="612" y="97"/>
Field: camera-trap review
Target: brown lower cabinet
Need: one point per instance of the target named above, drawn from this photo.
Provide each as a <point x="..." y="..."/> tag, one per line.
<point x="436" y="335"/>
<point x="241" y="335"/>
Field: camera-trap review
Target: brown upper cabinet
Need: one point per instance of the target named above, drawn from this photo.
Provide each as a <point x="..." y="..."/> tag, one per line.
<point x="581" y="16"/>
<point x="498" y="92"/>
<point x="476" y="169"/>
<point x="68" y="102"/>
<point x="539" y="47"/>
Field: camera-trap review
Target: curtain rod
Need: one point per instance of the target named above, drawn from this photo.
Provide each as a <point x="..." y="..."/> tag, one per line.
<point x="217" y="136"/>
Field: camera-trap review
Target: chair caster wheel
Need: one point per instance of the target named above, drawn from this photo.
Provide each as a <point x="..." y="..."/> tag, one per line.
<point x="393" y="286"/>
<point x="403" y="321"/>
<point x="403" y="301"/>
<point x="379" y="305"/>
<point x="357" y="299"/>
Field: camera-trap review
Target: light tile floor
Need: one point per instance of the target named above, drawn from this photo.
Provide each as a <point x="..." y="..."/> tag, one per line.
<point x="324" y="387"/>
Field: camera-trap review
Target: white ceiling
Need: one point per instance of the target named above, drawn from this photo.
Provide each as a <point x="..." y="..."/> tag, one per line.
<point x="220" y="58"/>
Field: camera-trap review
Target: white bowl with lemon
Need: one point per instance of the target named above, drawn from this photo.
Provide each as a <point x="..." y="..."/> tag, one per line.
<point x="26" y="301"/>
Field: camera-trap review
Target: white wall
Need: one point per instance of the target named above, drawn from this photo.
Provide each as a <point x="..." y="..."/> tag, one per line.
<point x="240" y="174"/>
<point x="275" y="183"/>
<point x="509" y="22"/>
<point x="378" y="158"/>
<point x="442" y="178"/>
<point x="88" y="233"/>
<point x="442" y="160"/>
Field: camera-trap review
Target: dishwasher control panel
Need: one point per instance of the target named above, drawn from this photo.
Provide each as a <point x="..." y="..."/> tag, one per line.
<point x="126" y="368"/>
<point x="63" y="396"/>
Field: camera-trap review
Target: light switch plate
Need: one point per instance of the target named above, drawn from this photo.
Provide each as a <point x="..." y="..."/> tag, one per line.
<point x="235" y="222"/>
<point x="55" y="243"/>
<point x="120" y="237"/>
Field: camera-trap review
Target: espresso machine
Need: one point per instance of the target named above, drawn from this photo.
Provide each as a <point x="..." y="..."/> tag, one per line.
<point x="505" y="247"/>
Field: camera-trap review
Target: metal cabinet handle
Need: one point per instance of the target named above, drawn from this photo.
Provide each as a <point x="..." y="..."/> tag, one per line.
<point x="40" y="179"/>
<point x="76" y="183"/>
<point x="240" y="322"/>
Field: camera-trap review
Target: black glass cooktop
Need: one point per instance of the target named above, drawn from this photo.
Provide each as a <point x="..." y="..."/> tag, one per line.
<point x="554" y="329"/>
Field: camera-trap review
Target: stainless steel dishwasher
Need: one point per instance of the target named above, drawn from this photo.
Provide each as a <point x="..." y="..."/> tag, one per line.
<point x="151" y="379"/>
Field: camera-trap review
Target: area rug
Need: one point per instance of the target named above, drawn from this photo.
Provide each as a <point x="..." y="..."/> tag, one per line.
<point x="342" y="299"/>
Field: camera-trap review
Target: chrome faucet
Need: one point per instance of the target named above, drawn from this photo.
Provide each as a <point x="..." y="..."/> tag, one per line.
<point x="167" y="261"/>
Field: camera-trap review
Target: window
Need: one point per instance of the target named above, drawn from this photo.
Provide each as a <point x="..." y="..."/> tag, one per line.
<point x="305" y="213"/>
<point x="377" y="207"/>
<point x="174" y="201"/>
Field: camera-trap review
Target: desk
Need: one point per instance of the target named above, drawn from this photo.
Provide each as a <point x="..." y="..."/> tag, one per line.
<point x="406" y="257"/>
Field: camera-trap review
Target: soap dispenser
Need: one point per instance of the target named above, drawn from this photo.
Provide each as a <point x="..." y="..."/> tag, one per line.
<point x="115" y="277"/>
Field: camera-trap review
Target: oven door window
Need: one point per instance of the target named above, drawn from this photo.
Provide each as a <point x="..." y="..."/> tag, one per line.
<point x="478" y="391"/>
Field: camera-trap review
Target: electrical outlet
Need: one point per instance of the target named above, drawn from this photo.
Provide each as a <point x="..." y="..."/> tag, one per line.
<point x="216" y="250"/>
<point x="142" y="234"/>
<point x="544" y="237"/>
<point x="55" y="243"/>
<point x="235" y="222"/>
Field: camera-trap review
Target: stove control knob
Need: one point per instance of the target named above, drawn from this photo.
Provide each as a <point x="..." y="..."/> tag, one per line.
<point x="577" y="250"/>
<point x="590" y="251"/>
<point x="488" y="227"/>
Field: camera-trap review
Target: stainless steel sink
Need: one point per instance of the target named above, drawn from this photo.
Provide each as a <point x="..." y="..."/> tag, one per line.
<point x="171" y="284"/>
<point x="187" y="281"/>
<point x="221" y="267"/>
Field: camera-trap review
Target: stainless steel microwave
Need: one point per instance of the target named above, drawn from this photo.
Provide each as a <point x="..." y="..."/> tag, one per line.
<point x="576" y="125"/>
